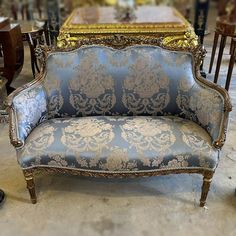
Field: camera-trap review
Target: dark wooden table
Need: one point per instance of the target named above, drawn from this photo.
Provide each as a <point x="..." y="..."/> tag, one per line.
<point x="11" y="51"/>
<point x="33" y="34"/>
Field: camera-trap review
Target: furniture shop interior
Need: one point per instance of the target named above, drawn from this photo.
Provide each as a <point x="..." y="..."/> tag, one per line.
<point x="117" y="117"/>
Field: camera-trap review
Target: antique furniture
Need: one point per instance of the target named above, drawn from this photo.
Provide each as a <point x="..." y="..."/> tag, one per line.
<point x="33" y="34"/>
<point x="2" y="196"/>
<point x="54" y="19"/>
<point x="154" y="22"/>
<point x="120" y="111"/>
<point x="224" y="28"/>
<point x="11" y="49"/>
<point x="200" y="19"/>
<point x="231" y="63"/>
<point x="3" y="98"/>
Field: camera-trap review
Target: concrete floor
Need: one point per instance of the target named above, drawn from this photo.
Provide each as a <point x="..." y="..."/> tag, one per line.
<point x="165" y="205"/>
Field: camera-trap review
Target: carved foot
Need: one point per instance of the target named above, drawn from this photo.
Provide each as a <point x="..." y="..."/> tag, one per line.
<point x="205" y="188"/>
<point x="30" y="185"/>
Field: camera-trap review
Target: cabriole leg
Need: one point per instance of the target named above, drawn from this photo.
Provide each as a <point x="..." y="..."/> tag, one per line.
<point x="30" y="185"/>
<point x="205" y="187"/>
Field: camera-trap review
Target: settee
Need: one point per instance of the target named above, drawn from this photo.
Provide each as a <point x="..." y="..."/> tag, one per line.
<point x="140" y="110"/>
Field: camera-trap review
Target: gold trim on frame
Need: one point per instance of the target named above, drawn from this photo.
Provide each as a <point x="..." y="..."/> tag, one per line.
<point x="173" y="34"/>
<point x="29" y="176"/>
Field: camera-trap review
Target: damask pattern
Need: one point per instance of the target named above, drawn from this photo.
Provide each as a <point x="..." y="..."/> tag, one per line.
<point x="146" y="87"/>
<point x="105" y="143"/>
<point x="201" y="105"/>
<point x="148" y="134"/>
<point x="92" y="87"/>
<point x="40" y="140"/>
<point x="30" y="109"/>
<point x="54" y="94"/>
<point x="88" y="134"/>
<point x="138" y="80"/>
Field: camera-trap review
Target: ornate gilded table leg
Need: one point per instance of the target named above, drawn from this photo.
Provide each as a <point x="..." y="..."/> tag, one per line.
<point x="30" y="185"/>
<point x="200" y="20"/>
<point x="205" y="187"/>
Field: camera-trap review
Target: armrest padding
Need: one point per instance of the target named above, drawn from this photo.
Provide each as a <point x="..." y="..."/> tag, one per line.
<point x="28" y="109"/>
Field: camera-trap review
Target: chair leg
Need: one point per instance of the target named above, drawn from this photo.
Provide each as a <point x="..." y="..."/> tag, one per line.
<point x="30" y="185"/>
<point x="205" y="187"/>
<point x="221" y="50"/>
<point x="213" y="50"/>
<point x="231" y="64"/>
<point x="231" y="46"/>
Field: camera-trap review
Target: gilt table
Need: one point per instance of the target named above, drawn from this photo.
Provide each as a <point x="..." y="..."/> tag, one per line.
<point x="156" y="24"/>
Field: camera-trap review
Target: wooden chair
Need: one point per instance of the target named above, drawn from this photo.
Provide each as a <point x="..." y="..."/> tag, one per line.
<point x="231" y="63"/>
<point x="224" y="28"/>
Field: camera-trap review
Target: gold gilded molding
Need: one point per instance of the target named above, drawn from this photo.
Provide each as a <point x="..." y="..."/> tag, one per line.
<point x="118" y="174"/>
<point x="187" y="41"/>
<point x="66" y="41"/>
<point x="175" y="35"/>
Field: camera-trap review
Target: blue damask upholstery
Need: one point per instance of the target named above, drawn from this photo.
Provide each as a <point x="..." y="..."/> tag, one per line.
<point x="138" y="80"/>
<point x="114" y="143"/>
<point x="30" y="109"/>
<point x="139" y="108"/>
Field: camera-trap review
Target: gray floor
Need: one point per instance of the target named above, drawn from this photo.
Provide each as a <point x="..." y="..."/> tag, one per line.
<point x="165" y="205"/>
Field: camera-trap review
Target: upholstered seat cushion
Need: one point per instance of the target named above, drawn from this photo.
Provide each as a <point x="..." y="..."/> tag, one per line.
<point x="105" y="143"/>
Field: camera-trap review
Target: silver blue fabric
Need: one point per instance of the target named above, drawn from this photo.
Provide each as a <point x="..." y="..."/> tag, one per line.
<point x="30" y="109"/>
<point x="112" y="143"/>
<point x="140" y="108"/>
<point x="138" y="80"/>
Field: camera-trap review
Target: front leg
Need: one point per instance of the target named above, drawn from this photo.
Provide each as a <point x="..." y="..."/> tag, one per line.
<point x="207" y="178"/>
<point x="30" y="184"/>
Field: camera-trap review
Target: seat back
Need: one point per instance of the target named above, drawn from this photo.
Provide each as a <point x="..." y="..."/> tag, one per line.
<point x="97" y="80"/>
<point x="137" y="80"/>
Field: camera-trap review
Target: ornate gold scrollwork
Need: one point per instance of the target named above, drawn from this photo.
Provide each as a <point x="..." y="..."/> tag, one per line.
<point x="41" y="53"/>
<point x="187" y="41"/>
<point x="110" y="174"/>
<point x="64" y="40"/>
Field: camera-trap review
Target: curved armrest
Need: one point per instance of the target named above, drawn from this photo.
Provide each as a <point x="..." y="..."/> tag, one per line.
<point x="27" y="108"/>
<point x="208" y="105"/>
